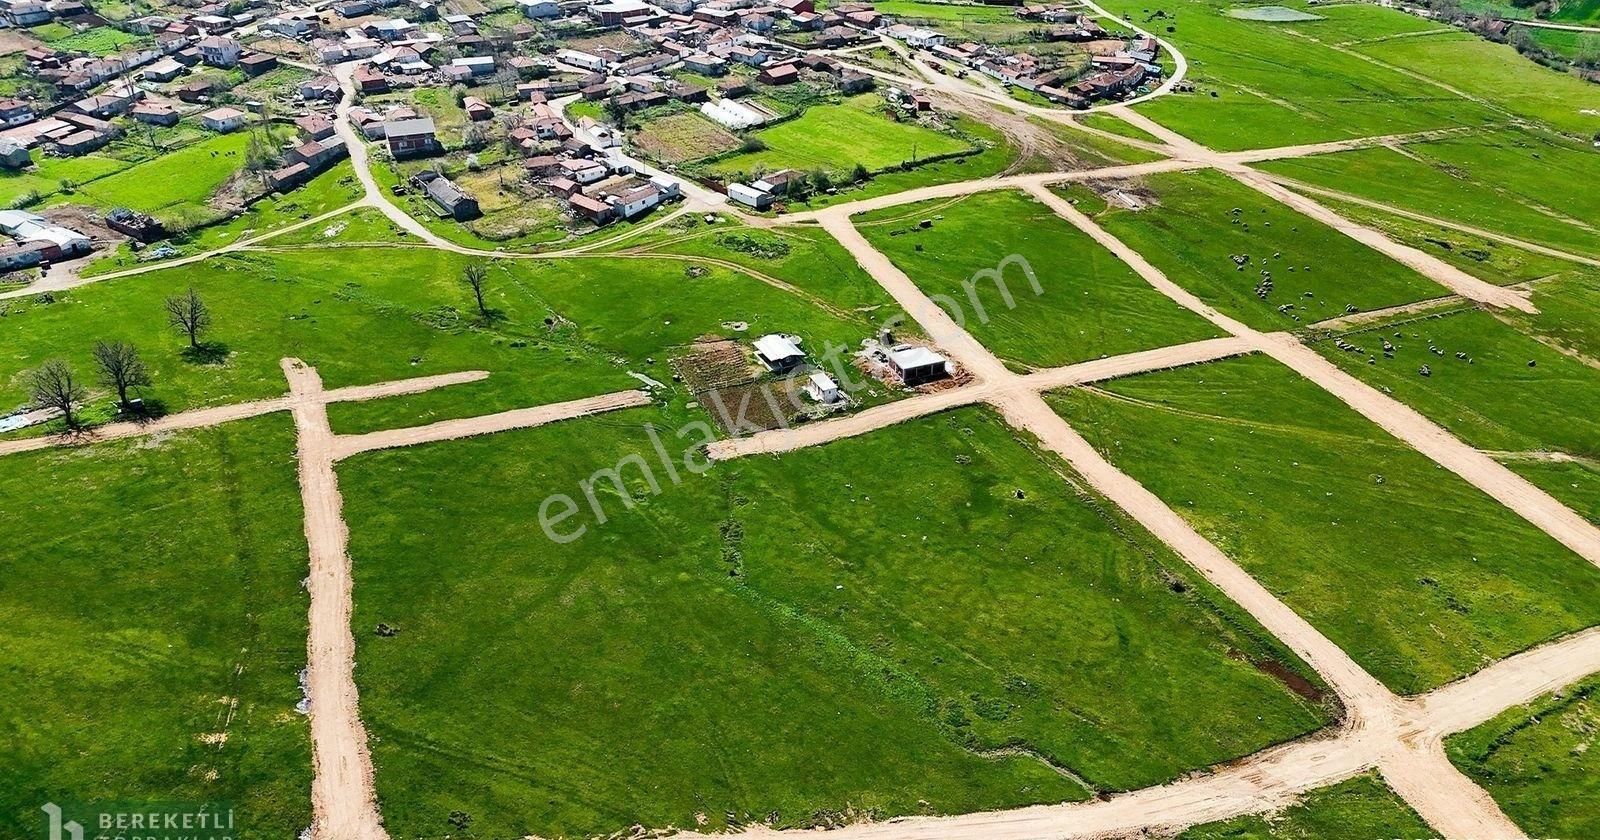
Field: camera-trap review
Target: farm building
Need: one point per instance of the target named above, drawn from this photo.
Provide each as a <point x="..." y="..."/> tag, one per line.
<point x="916" y="365"/>
<point x="446" y="195"/>
<point x="822" y="388"/>
<point x="780" y="353"/>
<point x="13" y="155"/>
<point x="56" y="242"/>
<point x="749" y="196"/>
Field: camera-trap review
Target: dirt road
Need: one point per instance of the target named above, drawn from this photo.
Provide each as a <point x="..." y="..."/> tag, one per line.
<point x="519" y="418"/>
<point x="343" y="799"/>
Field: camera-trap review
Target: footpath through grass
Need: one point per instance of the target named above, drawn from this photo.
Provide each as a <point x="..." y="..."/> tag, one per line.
<point x="1539" y="763"/>
<point x="794" y="641"/>
<point x="1088" y="302"/>
<point x="1326" y="509"/>
<point x="153" y="627"/>
<point x="1361" y="807"/>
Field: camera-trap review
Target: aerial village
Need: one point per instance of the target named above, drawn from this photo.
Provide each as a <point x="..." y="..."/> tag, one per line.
<point x="525" y="122"/>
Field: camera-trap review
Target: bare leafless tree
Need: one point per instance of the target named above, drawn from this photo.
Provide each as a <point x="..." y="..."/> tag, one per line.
<point x="120" y="368"/>
<point x="187" y="312"/>
<point x="474" y="276"/>
<point x="54" y="386"/>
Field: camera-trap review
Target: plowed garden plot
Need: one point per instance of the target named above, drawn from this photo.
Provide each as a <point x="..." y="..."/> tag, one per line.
<point x="790" y="641"/>
<point x="679" y="138"/>
<point x="1326" y="509"/>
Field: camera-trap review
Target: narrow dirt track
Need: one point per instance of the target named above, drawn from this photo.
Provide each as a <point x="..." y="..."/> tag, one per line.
<point x="882" y="416"/>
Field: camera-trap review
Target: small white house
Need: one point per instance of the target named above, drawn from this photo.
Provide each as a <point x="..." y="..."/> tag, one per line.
<point x="584" y="171"/>
<point x="223" y="120"/>
<point x="539" y="9"/>
<point x="578" y="58"/>
<point x="822" y="388"/>
<point x="476" y="65"/>
<point x="749" y="196"/>
<point x="779" y="352"/>
<point x="916" y="365"/>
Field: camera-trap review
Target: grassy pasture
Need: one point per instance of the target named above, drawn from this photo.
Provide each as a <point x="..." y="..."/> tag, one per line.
<point x="177" y="185"/>
<point x="1586" y="12"/>
<point x="1090" y="303"/>
<point x="329" y="191"/>
<point x="628" y="654"/>
<point x="99" y="40"/>
<point x="152" y="627"/>
<point x="836" y="137"/>
<point x="1537" y="762"/>
<point x="996" y="155"/>
<point x="1325" y="509"/>
<point x="851" y="684"/>
<point x="359" y="320"/>
<point x="1073" y="593"/>
<point x="1575" y="484"/>
<point x="1511" y="393"/>
<point x="1192" y="233"/>
<point x="1496" y="73"/>
<point x="1360" y="807"/>
<point x="48" y="173"/>
<point x="1277" y="86"/>
<point x="1511" y="182"/>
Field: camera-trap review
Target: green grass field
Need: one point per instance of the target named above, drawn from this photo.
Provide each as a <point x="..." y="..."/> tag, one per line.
<point x="331" y="190"/>
<point x="850" y="686"/>
<point x="1276" y="86"/>
<point x="1511" y="182"/>
<point x="1325" y="509"/>
<point x="1585" y="12"/>
<point x="176" y="186"/>
<point x="1510" y="393"/>
<point x="153" y="626"/>
<point x="561" y="329"/>
<point x="1537" y="762"/>
<point x="837" y="137"/>
<point x="100" y="40"/>
<point x="1201" y="222"/>
<point x="1090" y="303"/>
<point x="1574" y="484"/>
<point x="1361" y="807"/>
<point x="1495" y="73"/>
<point x="48" y="173"/>
<point x="359" y="321"/>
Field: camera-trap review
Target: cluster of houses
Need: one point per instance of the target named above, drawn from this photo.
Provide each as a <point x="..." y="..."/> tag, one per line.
<point x="1114" y="74"/>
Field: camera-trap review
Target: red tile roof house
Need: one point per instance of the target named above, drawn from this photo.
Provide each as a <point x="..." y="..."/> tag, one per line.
<point x="477" y="109"/>
<point x="315" y="126"/>
<point x="782" y="74"/>
<point x="155" y="113"/>
<point x="592" y="209"/>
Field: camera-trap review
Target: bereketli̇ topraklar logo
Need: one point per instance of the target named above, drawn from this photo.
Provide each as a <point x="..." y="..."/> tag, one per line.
<point x="141" y="821"/>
